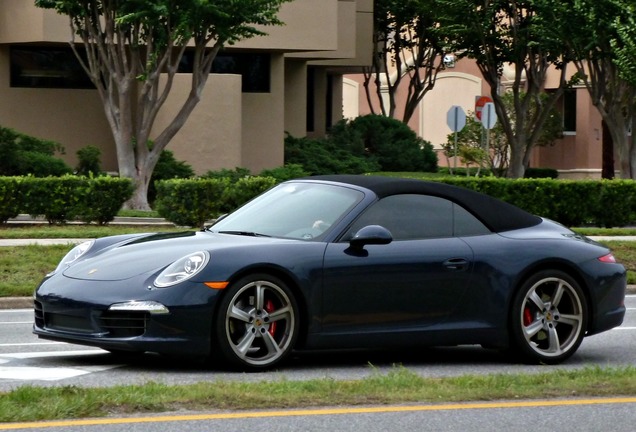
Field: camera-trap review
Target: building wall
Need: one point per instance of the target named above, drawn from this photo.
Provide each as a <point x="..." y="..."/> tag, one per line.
<point x="229" y="128"/>
<point x="212" y="136"/>
<point x="74" y="118"/>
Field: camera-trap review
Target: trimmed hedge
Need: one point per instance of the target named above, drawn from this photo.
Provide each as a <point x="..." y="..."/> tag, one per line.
<point x="63" y="199"/>
<point x="10" y="198"/>
<point x="605" y="203"/>
<point x="192" y="202"/>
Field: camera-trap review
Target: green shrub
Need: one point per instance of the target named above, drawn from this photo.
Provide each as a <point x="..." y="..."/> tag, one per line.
<point x="394" y="145"/>
<point x="570" y="202"/>
<point x="541" y="173"/>
<point x="616" y="203"/>
<point x="24" y="155"/>
<point x="88" y="161"/>
<point x="41" y="165"/>
<point x="103" y="198"/>
<point x="244" y="190"/>
<point x="167" y="168"/>
<point x="324" y="156"/>
<point x="11" y="200"/>
<point x="55" y="198"/>
<point x="190" y="202"/>
<point x="232" y="175"/>
<point x="284" y="173"/>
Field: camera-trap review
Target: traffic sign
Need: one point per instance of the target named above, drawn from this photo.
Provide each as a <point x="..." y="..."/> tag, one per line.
<point x="456" y="118"/>
<point x="488" y="116"/>
<point x="480" y="101"/>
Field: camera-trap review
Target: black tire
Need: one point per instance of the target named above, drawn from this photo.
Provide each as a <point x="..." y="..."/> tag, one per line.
<point x="548" y="318"/>
<point x="257" y="323"/>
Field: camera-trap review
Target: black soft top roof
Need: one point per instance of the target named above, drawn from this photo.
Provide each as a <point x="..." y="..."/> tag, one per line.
<point x="497" y="215"/>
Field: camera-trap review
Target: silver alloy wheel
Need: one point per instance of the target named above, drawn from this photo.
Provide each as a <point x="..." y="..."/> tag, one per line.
<point x="260" y="322"/>
<point x="552" y="317"/>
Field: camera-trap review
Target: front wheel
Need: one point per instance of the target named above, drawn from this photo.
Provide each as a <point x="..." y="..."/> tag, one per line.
<point x="549" y="318"/>
<point x="257" y="323"/>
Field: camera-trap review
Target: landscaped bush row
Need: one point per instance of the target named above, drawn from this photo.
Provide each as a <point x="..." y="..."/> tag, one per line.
<point x="63" y="199"/>
<point x="573" y="203"/>
<point x="191" y="202"/>
<point x="605" y="203"/>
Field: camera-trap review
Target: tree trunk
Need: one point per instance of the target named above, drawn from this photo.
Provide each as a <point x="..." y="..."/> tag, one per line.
<point x="517" y="168"/>
<point x="608" y="170"/>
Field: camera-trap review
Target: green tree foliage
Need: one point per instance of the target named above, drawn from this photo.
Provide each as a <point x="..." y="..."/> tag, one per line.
<point x="519" y="38"/>
<point x="624" y="45"/>
<point x="133" y="50"/>
<point x="472" y="138"/>
<point x="409" y="45"/>
<point x="590" y="28"/>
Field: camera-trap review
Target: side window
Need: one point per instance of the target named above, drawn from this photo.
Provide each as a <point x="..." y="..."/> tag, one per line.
<point x="412" y="217"/>
<point x="465" y="224"/>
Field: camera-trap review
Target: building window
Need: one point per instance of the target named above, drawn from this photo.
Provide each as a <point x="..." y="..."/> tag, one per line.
<point x="569" y="111"/>
<point x="253" y="68"/>
<point x="57" y="67"/>
<point x="47" y="67"/>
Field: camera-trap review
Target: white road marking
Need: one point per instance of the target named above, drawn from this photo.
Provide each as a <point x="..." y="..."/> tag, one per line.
<point x="37" y="354"/>
<point x="31" y="344"/>
<point x="22" y="373"/>
<point x="31" y="373"/>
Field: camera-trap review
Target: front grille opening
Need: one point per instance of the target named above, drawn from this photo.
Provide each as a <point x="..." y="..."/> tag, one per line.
<point x="121" y="324"/>
<point x="39" y="314"/>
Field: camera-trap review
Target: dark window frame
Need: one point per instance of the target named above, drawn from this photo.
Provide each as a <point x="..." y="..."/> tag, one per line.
<point x="57" y="67"/>
<point x="47" y="67"/>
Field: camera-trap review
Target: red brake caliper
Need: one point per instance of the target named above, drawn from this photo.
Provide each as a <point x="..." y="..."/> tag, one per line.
<point x="269" y="307"/>
<point x="527" y="317"/>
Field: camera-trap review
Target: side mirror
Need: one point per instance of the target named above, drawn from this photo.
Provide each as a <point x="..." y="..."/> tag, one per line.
<point x="371" y="235"/>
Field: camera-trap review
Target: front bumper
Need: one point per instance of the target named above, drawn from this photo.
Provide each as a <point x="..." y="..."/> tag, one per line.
<point x="81" y="312"/>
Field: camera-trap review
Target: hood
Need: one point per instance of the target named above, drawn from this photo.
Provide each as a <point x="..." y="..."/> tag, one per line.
<point x="152" y="253"/>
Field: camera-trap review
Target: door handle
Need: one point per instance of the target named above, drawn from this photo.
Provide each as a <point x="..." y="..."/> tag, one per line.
<point x="456" y="264"/>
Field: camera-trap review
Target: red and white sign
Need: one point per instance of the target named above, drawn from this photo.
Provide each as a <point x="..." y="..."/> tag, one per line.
<point x="480" y="102"/>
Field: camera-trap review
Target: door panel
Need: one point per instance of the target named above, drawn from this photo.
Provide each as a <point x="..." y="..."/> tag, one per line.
<point x="412" y="283"/>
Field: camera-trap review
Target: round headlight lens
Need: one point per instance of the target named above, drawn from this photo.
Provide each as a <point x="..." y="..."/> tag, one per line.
<point x="182" y="269"/>
<point x="73" y="255"/>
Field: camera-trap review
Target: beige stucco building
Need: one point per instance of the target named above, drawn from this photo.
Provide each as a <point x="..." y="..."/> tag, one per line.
<point x="240" y="122"/>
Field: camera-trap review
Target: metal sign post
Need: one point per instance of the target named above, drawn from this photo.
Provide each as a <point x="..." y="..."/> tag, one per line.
<point x="456" y="120"/>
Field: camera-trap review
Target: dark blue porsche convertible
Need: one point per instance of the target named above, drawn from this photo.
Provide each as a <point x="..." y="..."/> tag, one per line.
<point x="339" y="262"/>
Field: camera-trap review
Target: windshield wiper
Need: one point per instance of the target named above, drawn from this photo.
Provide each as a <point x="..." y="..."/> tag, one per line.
<point x="245" y="233"/>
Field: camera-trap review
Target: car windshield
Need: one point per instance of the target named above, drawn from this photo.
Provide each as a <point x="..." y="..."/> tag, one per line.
<point x="292" y="210"/>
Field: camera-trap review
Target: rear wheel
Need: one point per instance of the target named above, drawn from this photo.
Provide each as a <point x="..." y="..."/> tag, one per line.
<point x="257" y="323"/>
<point x="549" y="318"/>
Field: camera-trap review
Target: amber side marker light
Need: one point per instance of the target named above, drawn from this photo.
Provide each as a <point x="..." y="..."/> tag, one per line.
<point x="217" y="285"/>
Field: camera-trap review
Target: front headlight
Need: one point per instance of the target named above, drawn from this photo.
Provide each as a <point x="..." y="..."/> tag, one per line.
<point x="73" y="255"/>
<point x="182" y="269"/>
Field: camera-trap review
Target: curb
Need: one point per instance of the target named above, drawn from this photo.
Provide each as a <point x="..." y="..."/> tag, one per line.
<point x="16" y="303"/>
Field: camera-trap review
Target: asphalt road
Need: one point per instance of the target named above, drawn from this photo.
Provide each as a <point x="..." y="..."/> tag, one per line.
<point x="26" y="360"/>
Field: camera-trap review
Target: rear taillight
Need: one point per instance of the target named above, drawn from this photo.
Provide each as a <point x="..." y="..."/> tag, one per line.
<point x="609" y="258"/>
